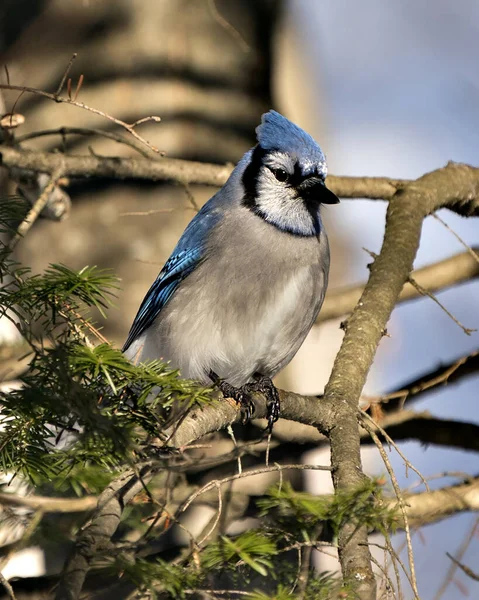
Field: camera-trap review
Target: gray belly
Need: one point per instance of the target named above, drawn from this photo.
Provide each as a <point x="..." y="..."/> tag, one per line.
<point x="236" y="331"/>
<point x="247" y="308"/>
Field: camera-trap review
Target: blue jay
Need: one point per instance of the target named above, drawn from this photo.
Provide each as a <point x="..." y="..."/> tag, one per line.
<point x="245" y="283"/>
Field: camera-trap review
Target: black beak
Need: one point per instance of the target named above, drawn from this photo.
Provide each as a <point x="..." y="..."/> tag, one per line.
<point x="317" y="191"/>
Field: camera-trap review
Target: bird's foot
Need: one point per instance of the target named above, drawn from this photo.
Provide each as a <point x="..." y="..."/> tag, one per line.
<point x="265" y="386"/>
<point x="240" y="395"/>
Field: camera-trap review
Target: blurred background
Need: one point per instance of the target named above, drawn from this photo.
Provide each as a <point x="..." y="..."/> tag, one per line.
<point x="388" y="89"/>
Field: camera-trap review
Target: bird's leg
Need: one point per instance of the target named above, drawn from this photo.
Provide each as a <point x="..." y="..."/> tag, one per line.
<point x="265" y="386"/>
<point x="240" y="395"/>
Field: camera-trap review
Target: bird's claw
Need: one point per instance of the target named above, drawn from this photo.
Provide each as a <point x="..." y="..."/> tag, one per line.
<point x="266" y="386"/>
<point x="240" y="395"/>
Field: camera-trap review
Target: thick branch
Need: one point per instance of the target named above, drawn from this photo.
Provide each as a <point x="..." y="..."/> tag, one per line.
<point x="454" y="186"/>
<point x="430" y="507"/>
<point x="309" y="410"/>
<point x="184" y="171"/>
<point x="97" y="533"/>
<point x="163" y="169"/>
<point x="49" y="505"/>
<point x="443" y="274"/>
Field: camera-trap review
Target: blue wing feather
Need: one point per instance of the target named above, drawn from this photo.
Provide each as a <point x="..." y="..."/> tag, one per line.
<point x="175" y="270"/>
<point x="185" y="258"/>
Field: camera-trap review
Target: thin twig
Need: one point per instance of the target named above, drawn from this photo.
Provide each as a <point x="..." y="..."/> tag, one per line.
<point x="468" y="248"/>
<point x="273" y="468"/>
<point x="226" y="25"/>
<point x="231" y="433"/>
<point x="389" y="548"/>
<point x="36" y="209"/>
<point x="425" y="292"/>
<point x="437" y="276"/>
<point x="191" y="198"/>
<point x="387" y="579"/>
<point x="7" y="586"/>
<point x="216" y="521"/>
<point x="395" y="559"/>
<point x="86" y="131"/>
<point x="78" y="88"/>
<point x="147" y="213"/>
<point x="464" y="568"/>
<point x="397" y="491"/>
<point x="61" y="99"/>
<point x="456" y="561"/>
<point x="390" y="441"/>
<point x="65" y="75"/>
<point x="465" y="365"/>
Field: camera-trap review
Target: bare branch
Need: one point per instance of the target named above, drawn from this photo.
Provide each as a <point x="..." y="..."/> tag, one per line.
<point x="60" y="99"/>
<point x="97" y="533"/>
<point x="65" y="75"/>
<point x="442" y="274"/>
<point x="47" y="504"/>
<point x="37" y="208"/>
<point x="166" y="169"/>
<point x="86" y="131"/>
<point x="184" y="171"/>
<point x="431" y="507"/>
<point x="443" y="375"/>
<point x="7" y="586"/>
<point x="453" y="186"/>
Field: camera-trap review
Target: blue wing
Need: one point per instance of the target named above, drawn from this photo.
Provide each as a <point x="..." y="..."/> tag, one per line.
<point x="175" y="270"/>
<point x="184" y="259"/>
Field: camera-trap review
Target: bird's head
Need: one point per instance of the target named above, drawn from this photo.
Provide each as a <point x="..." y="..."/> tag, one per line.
<point x="284" y="180"/>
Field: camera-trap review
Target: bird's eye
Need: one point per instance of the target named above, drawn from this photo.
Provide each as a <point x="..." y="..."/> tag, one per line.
<point x="280" y="174"/>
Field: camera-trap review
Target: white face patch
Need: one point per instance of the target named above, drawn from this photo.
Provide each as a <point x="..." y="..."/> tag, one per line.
<point x="280" y="205"/>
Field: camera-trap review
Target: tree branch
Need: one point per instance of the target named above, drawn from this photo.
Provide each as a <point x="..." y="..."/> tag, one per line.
<point x="431" y="507"/>
<point x="184" y="171"/>
<point x="442" y="274"/>
<point x="454" y="186"/>
<point x="443" y="375"/>
<point x="130" y="127"/>
<point x="423" y="427"/>
<point x="47" y="504"/>
<point x="400" y="425"/>
<point x="97" y="533"/>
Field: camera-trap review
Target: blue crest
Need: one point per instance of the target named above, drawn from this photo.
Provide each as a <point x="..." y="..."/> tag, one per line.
<point x="278" y="133"/>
